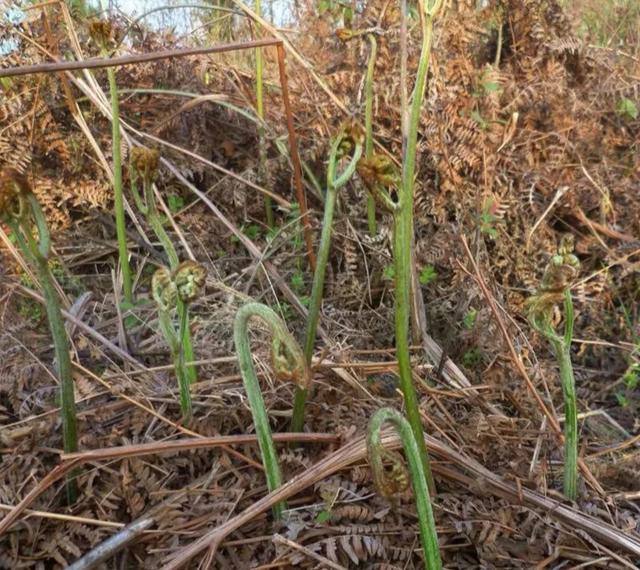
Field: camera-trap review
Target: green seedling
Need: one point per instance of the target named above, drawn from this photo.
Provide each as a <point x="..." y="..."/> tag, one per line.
<point x="394" y="480"/>
<point x="427" y="275"/>
<point x="102" y="34"/>
<point x="144" y="166"/>
<point x="348" y="141"/>
<point x="20" y="210"/>
<point x="555" y="289"/>
<point x="288" y="363"/>
<point x="170" y="289"/>
<point x="380" y="177"/>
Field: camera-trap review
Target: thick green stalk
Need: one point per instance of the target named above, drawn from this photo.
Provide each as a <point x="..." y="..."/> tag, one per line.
<point x="377" y="456"/>
<point x="368" y="125"/>
<point x="37" y="254"/>
<point x="333" y="185"/>
<point x="118" y="198"/>
<point x="288" y="359"/>
<point x="403" y="240"/>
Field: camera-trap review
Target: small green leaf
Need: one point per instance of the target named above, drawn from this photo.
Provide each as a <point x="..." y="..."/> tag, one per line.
<point x="323" y="517"/>
<point x="389" y="273"/>
<point x="491" y="86"/>
<point x="472" y="358"/>
<point x="427" y="275"/>
<point x="175" y="203"/>
<point x="469" y="320"/>
<point x="627" y="108"/>
<point x="297" y="280"/>
<point x="623" y="401"/>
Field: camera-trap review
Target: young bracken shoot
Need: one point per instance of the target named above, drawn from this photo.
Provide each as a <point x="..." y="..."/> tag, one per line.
<point x="102" y="34"/>
<point x="394" y="480"/>
<point x="379" y="175"/>
<point x="345" y="35"/>
<point x="554" y="289"/>
<point x="169" y="289"/>
<point x="288" y="364"/>
<point x="349" y="140"/>
<point x="20" y="210"/>
<point x="144" y="164"/>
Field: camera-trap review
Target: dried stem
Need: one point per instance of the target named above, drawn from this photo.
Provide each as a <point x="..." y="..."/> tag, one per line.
<point x="288" y="361"/>
<point x="377" y="455"/>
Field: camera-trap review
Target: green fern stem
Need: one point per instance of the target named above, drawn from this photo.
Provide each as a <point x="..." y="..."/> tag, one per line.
<point x="149" y="209"/>
<point x="562" y="349"/>
<point x="368" y="125"/>
<point x="377" y="455"/>
<point x="333" y="185"/>
<point x="118" y="198"/>
<point x="37" y="253"/>
<point x="282" y="341"/>
<point x="262" y="150"/>
<point x="403" y="238"/>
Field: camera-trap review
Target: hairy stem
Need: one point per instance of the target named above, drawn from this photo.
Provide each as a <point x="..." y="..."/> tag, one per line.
<point x="368" y="125"/>
<point x="282" y="339"/>
<point x="333" y="185"/>
<point x="403" y="238"/>
<point x="427" y="524"/>
<point x="118" y="198"/>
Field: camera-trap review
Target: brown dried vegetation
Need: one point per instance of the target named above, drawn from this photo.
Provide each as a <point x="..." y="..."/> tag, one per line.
<point x="521" y="141"/>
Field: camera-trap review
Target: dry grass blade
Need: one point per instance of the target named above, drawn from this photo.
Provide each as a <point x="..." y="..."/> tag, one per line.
<point x="356" y="451"/>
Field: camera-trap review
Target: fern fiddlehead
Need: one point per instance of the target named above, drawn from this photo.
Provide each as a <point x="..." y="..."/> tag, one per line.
<point x="20" y="210"/>
<point x="555" y="289"/>
<point x="144" y="165"/>
<point x="348" y="141"/>
<point x="169" y="290"/>
<point x="288" y="363"/>
<point x="393" y="481"/>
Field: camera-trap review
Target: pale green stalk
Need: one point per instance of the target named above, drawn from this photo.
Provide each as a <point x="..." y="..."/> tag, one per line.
<point x="38" y="253"/>
<point x="149" y="209"/>
<point x="377" y="457"/>
<point x="403" y="235"/>
<point x="333" y="185"/>
<point x="118" y="198"/>
<point x="288" y="360"/>
<point x="368" y="125"/>
<point x="562" y="349"/>
<point x="262" y="150"/>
